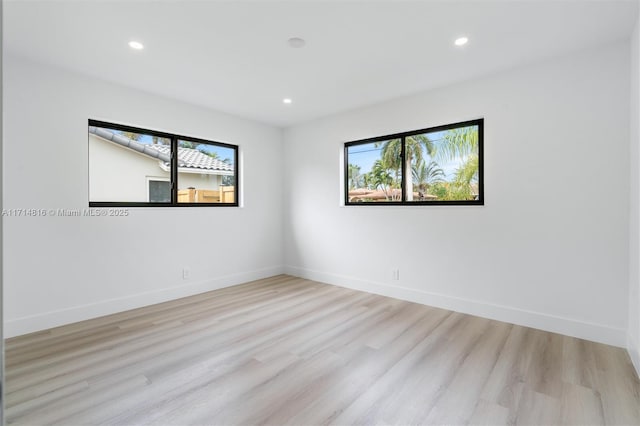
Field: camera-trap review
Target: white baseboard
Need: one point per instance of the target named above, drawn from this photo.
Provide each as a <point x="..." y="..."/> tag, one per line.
<point x="633" y="347"/>
<point x="29" y="324"/>
<point x="556" y="324"/>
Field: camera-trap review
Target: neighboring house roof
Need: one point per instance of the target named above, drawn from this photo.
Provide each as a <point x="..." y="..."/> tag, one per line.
<point x="129" y="143"/>
<point x="370" y="194"/>
<point x="187" y="157"/>
<point x="192" y="158"/>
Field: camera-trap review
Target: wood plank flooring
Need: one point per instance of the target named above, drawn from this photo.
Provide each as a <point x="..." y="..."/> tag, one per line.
<point x="285" y="350"/>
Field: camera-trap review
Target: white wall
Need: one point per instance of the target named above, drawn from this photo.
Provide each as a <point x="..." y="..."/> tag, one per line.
<point x="199" y="181"/>
<point x="1" y="235"/>
<point x="633" y="343"/>
<point x="120" y="174"/>
<point x="550" y="247"/>
<point x="65" y="269"/>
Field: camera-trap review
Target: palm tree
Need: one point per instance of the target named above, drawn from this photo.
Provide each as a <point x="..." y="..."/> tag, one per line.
<point x="356" y="179"/>
<point x="203" y="150"/>
<point x="366" y="181"/>
<point x="458" y="143"/>
<point x="467" y="173"/>
<point x="379" y="177"/>
<point x="461" y="143"/>
<point x="391" y="156"/>
<point x="426" y="175"/>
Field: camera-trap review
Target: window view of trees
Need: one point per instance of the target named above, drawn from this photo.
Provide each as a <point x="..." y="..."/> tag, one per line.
<point x="438" y="166"/>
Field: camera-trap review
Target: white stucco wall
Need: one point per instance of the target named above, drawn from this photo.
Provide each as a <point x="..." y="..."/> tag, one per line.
<point x="117" y="173"/>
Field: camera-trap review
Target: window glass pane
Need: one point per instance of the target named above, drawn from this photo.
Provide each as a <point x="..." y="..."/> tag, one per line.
<point x="374" y="172"/>
<point x="206" y="173"/>
<point x="443" y="165"/>
<point x="122" y="165"/>
<point x="159" y="191"/>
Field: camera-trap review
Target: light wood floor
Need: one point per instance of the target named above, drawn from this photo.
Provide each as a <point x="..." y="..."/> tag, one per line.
<point x="289" y="351"/>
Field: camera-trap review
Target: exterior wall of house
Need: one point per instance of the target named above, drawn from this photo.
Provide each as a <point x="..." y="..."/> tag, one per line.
<point x="199" y="181"/>
<point x="117" y="173"/>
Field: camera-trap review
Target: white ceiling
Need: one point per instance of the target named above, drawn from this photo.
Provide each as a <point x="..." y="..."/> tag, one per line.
<point x="233" y="56"/>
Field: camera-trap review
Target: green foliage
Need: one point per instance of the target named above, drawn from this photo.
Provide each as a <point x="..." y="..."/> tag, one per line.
<point x="205" y="152"/>
<point x="452" y="191"/>
<point x="381" y="178"/>
<point x="458" y="143"/>
<point x="425" y="175"/>
<point x="460" y="188"/>
<point x="131" y="135"/>
<point x="356" y="179"/>
<point x="415" y="144"/>
<point x="391" y="155"/>
<point x="468" y="171"/>
<point x="439" y="189"/>
<point x="202" y="148"/>
<point x="459" y="192"/>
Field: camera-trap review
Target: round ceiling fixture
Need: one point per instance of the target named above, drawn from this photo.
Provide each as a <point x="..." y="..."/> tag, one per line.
<point x="461" y="41"/>
<point x="296" y="42"/>
<point x="136" y="45"/>
<point x="287" y="101"/>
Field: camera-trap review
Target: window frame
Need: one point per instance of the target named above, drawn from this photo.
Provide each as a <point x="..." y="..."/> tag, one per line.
<point x="402" y="136"/>
<point x="173" y="173"/>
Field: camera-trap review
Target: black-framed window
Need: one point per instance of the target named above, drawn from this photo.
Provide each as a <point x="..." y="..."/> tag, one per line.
<point x="440" y="165"/>
<point x="134" y="167"/>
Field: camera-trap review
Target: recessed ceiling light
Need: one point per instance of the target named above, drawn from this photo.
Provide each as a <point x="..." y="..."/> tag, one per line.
<point x="136" y="45"/>
<point x="296" y="42"/>
<point x="287" y="100"/>
<point x="461" y="41"/>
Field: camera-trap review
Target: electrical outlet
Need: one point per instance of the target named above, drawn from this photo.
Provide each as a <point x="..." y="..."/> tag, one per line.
<point x="395" y="274"/>
<point x="186" y="273"/>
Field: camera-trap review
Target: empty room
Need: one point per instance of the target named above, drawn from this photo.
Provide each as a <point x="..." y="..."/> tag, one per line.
<point x="320" y="212"/>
